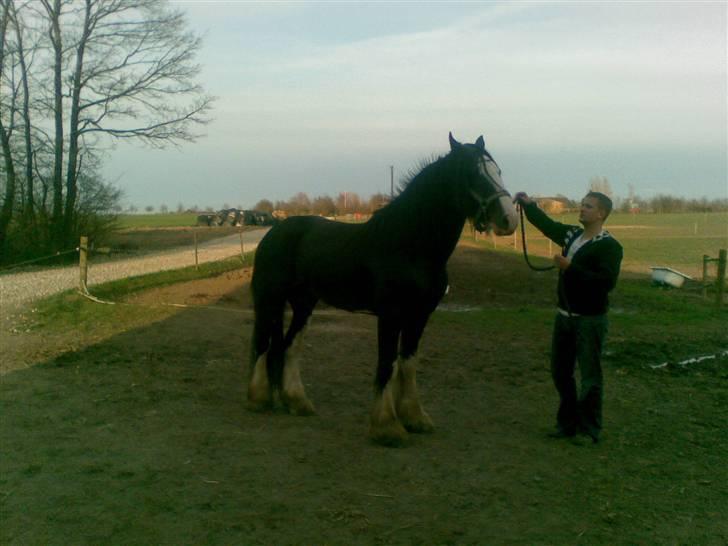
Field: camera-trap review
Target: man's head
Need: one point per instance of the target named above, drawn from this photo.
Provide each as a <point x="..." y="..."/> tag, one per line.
<point x="595" y="207"/>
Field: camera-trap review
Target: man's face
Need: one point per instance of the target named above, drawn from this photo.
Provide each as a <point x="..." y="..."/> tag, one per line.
<point x="590" y="213"/>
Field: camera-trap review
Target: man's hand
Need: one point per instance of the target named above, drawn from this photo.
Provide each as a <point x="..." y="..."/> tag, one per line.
<point x="561" y="262"/>
<point x="522" y="198"/>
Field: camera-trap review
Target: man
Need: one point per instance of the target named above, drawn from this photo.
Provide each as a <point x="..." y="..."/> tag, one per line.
<point x="588" y="270"/>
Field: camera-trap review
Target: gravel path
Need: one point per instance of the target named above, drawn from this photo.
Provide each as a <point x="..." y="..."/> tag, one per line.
<point x="18" y="289"/>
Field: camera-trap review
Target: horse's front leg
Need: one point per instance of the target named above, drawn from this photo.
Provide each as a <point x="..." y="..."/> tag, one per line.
<point x="384" y="427"/>
<point x="293" y="394"/>
<point x="409" y="408"/>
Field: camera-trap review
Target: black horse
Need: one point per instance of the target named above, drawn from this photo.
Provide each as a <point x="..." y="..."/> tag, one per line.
<point x="393" y="266"/>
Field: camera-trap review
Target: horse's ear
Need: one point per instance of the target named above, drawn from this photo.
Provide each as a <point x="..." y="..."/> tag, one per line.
<point x="453" y="143"/>
<point x="480" y="143"/>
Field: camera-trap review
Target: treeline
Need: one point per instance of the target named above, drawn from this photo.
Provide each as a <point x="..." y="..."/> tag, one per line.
<point x="668" y="203"/>
<point x="351" y="203"/>
<point x="344" y="203"/>
<point x="660" y="203"/>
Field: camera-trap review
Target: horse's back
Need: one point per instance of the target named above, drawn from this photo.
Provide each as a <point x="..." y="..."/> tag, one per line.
<point x="313" y="255"/>
<point x="283" y="249"/>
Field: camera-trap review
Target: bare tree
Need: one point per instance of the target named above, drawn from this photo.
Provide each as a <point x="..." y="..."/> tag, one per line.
<point x="323" y="206"/>
<point x="264" y="205"/>
<point x="53" y="13"/>
<point x="9" y="198"/>
<point x="600" y="184"/>
<point x="133" y="77"/>
<point x="107" y="69"/>
<point x="348" y="203"/>
<point x="377" y="201"/>
<point x="300" y="204"/>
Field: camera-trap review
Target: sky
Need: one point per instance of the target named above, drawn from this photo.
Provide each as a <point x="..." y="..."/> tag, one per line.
<point x="323" y="97"/>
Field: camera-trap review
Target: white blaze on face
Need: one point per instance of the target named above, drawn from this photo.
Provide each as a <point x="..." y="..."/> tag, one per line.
<point x="491" y="172"/>
<point x="510" y="214"/>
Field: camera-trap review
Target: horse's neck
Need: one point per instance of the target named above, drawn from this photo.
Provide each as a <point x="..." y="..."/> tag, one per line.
<point x="428" y="222"/>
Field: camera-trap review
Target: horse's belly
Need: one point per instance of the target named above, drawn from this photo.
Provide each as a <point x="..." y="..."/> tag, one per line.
<point x="351" y="290"/>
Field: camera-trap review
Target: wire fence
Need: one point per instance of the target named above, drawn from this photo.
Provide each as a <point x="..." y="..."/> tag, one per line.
<point x="38" y="260"/>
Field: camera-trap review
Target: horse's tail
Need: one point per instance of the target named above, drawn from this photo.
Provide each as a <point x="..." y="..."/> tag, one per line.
<point x="273" y="277"/>
<point x="267" y="338"/>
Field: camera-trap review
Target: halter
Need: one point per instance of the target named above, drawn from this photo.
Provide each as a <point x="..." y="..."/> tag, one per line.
<point x="481" y="218"/>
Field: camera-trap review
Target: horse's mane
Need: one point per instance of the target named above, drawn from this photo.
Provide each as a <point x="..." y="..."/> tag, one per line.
<point x="412" y="182"/>
<point x="418" y="167"/>
<point x="416" y="216"/>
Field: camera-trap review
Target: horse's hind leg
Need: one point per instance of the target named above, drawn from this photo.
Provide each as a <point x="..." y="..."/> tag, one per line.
<point x="260" y="392"/>
<point x="293" y="393"/>
<point x="409" y="408"/>
<point x="384" y="426"/>
<point x="267" y="333"/>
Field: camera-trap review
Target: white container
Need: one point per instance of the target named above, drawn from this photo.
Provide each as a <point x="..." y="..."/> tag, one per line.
<point x="669" y="277"/>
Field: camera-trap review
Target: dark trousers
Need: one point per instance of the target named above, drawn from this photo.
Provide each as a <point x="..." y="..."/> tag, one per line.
<point x="579" y="339"/>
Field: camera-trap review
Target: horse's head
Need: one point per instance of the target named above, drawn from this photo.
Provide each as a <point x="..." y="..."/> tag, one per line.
<point x="487" y="202"/>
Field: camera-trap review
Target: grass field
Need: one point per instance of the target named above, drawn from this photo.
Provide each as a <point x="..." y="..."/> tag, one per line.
<point x="678" y="241"/>
<point x="159" y="239"/>
<point x="675" y="240"/>
<point x="128" y="221"/>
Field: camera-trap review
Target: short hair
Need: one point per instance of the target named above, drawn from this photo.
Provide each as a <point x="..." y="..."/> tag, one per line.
<point x="605" y="203"/>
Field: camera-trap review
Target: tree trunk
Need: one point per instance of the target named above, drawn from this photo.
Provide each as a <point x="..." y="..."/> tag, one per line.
<point x="6" y="213"/>
<point x="56" y="225"/>
<point x="29" y="205"/>
<point x="73" y="147"/>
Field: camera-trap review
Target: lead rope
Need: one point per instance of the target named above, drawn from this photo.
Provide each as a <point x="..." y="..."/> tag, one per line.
<point x="525" y="250"/>
<point x="561" y="289"/>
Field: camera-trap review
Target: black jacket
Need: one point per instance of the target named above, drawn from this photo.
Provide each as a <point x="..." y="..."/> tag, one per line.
<point x="584" y="285"/>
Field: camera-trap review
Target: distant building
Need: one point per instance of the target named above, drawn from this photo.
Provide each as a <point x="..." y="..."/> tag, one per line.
<point x="554" y="205"/>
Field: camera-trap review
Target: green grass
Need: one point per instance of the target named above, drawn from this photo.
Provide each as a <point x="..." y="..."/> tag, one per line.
<point x="70" y="309"/>
<point x="157" y="239"/>
<point x="675" y="240"/>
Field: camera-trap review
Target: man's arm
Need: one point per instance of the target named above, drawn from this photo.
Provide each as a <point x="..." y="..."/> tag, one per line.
<point x="555" y="231"/>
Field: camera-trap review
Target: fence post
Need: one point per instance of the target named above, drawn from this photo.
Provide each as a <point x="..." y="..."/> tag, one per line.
<point x="195" y="236"/>
<point x="83" y="263"/>
<point x="706" y="260"/>
<point x="720" y="281"/>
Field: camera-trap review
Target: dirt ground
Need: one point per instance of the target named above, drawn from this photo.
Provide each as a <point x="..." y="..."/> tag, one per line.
<point x="142" y="437"/>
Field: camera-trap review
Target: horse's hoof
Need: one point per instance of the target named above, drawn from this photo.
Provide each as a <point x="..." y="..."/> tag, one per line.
<point x="415" y="419"/>
<point x="392" y="434"/>
<point x="301" y="407"/>
<point x="259" y="406"/>
<point x="420" y="426"/>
